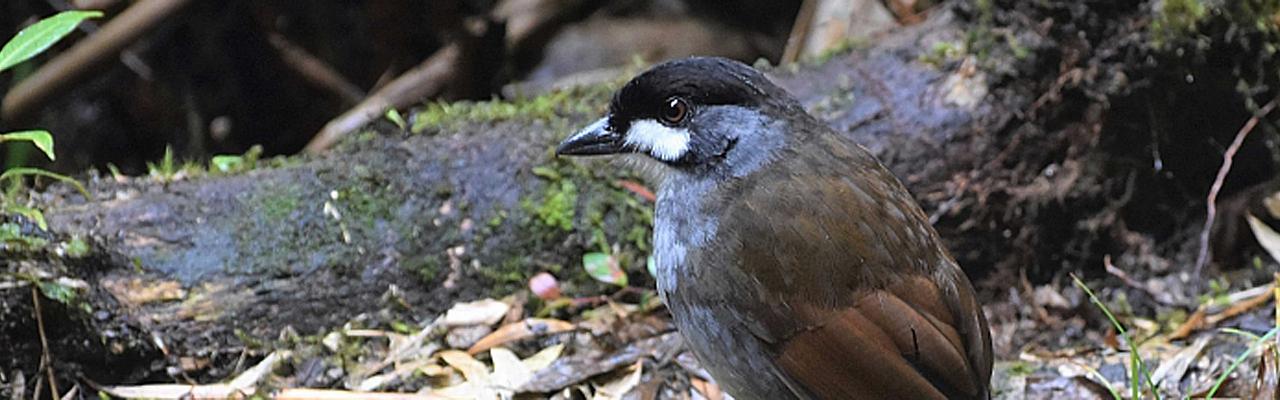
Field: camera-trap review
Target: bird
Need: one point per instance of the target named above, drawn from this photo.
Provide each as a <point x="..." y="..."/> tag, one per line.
<point x="794" y="264"/>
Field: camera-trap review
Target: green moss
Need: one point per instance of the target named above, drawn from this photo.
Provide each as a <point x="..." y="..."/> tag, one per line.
<point x="844" y="46"/>
<point x="270" y="228"/>
<point x="943" y="52"/>
<point x="366" y="205"/>
<point x="1175" y="19"/>
<point x="277" y="204"/>
<point x="1020" y="368"/>
<point x="980" y="39"/>
<point x="496" y="220"/>
<point x="427" y="268"/>
<point x="512" y="272"/>
<point x="558" y="205"/>
<point x="610" y="219"/>
<point x="76" y="247"/>
<point x="581" y="100"/>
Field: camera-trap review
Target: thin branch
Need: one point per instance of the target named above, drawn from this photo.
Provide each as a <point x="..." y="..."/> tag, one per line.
<point x="314" y="70"/>
<point x="423" y="81"/>
<point x="45" y="355"/>
<point x="1211" y="206"/>
<point x="799" y="32"/>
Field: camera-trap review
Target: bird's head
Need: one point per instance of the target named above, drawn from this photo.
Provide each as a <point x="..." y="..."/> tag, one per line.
<point x="692" y="113"/>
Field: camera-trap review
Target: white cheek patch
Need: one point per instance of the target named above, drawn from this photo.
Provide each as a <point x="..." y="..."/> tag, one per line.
<point x="661" y="141"/>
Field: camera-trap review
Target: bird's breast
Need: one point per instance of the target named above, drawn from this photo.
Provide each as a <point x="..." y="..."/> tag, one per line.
<point x="680" y="226"/>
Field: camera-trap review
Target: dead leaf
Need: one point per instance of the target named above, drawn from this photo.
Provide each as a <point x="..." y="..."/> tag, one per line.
<point x="1268" y="375"/>
<point x="472" y="369"/>
<point x="1171" y="370"/>
<point x="520" y="330"/>
<point x="480" y="312"/>
<point x="708" y="390"/>
<point x="544" y="357"/>
<point x="1267" y="237"/>
<point x="615" y="389"/>
<point x="478" y="384"/>
<point x="508" y="372"/>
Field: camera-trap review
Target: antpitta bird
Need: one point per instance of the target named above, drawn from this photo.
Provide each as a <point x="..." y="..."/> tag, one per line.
<point x="795" y="264"/>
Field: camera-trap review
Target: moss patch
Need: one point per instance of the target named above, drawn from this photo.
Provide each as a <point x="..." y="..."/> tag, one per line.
<point x="587" y="208"/>
<point x="558" y="205"/>
<point x="581" y="100"/>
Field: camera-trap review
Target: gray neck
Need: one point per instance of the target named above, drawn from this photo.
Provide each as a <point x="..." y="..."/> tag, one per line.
<point x="683" y="220"/>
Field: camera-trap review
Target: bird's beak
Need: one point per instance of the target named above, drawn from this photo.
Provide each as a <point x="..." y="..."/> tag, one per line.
<point x="595" y="139"/>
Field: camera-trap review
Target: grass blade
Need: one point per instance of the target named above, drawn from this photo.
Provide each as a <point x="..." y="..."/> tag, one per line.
<point x="1240" y="360"/>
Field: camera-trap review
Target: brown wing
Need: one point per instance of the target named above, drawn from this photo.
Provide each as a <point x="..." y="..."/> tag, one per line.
<point x="867" y="302"/>
<point x="894" y="343"/>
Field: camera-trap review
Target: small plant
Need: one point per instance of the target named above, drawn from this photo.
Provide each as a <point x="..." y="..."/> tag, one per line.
<point x="28" y="43"/>
<point x="230" y="164"/>
<point x="166" y="169"/>
<point x="1137" y="367"/>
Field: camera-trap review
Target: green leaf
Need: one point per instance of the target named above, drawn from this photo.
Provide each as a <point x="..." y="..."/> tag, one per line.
<point x="38" y="37"/>
<point x="24" y="171"/>
<point x="57" y="292"/>
<point x="227" y="163"/>
<point x="42" y="139"/>
<point x="11" y="237"/>
<point x="30" y="213"/>
<point x="604" y="268"/>
<point x="651" y="264"/>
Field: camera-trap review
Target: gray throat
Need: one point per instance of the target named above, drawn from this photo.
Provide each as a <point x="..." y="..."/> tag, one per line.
<point x="685" y="218"/>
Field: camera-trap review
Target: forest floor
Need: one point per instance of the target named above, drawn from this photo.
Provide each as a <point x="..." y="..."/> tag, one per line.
<point x="452" y="256"/>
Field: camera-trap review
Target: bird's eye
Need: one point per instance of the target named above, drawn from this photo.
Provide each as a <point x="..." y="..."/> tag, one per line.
<point x="675" y="111"/>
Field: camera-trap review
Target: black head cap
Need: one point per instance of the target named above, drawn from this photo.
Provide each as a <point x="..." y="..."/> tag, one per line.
<point x="703" y="81"/>
<point x="677" y="110"/>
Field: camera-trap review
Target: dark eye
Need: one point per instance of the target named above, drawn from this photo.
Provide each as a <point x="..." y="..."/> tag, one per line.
<point x="675" y="111"/>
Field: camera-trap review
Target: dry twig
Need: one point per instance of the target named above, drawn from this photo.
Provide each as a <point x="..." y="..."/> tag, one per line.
<point x="1201" y="319"/>
<point x="46" y="358"/>
<point x="423" y="81"/>
<point x="314" y="70"/>
<point x="1211" y="207"/>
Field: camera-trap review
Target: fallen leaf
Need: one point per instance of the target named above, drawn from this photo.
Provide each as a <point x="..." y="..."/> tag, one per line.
<point x="708" y="390"/>
<point x="615" y="389"/>
<point x="604" y="268"/>
<point x="543" y="358"/>
<point x="479" y="312"/>
<point x="520" y="330"/>
<point x="473" y="370"/>
<point x="1172" y="370"/>
<point x="1267" y="237"/>
<point x="508" y="372"/>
